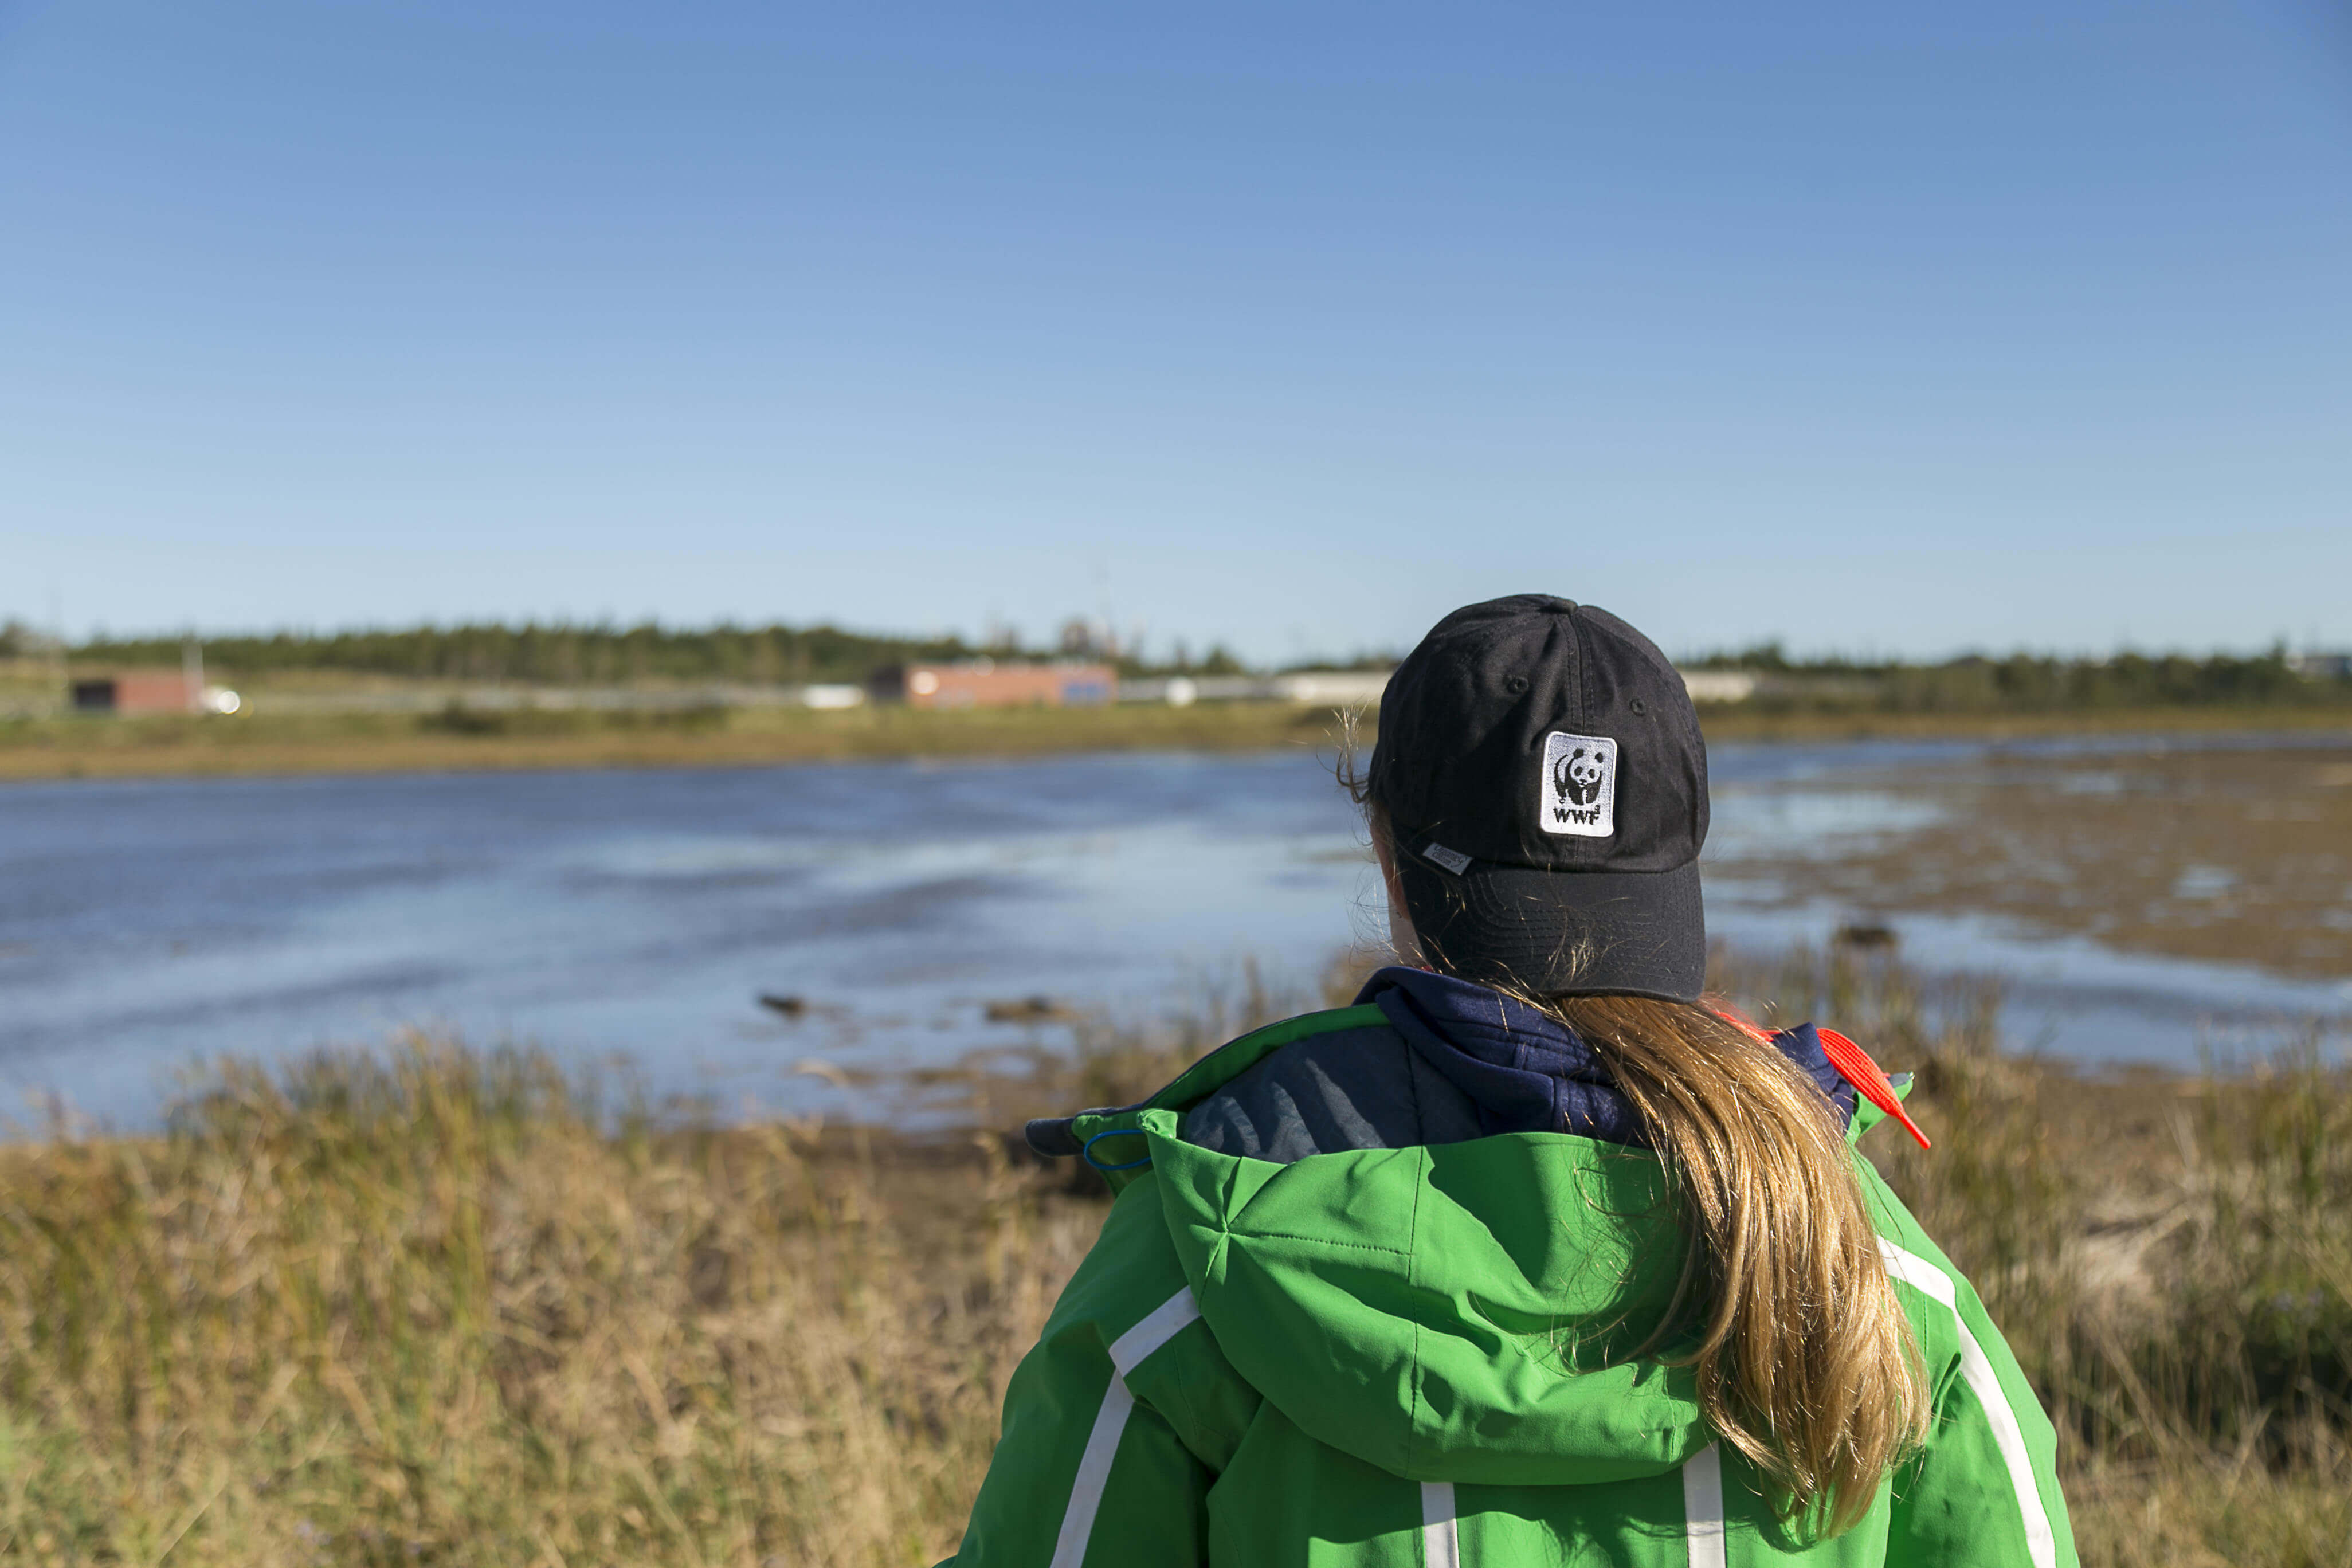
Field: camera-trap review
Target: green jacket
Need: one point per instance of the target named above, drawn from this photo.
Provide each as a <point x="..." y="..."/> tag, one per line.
<point x="1411" y="1355"/>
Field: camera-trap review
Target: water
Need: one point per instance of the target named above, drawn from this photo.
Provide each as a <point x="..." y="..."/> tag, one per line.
<point x="2066" y="870"/>
<point x="638" y="915"/>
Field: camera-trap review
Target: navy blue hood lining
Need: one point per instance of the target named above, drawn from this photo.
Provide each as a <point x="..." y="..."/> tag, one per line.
<point x="1526" y="1071"/>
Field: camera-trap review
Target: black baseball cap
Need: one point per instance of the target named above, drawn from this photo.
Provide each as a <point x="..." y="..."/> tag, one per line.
<point x="1545" y="785"/>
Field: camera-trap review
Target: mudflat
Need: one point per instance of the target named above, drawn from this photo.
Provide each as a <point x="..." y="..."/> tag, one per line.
<point x="2241" y="854"/>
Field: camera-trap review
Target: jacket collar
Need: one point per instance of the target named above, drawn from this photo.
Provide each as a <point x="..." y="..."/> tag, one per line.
<point x="1526" y="1071"/>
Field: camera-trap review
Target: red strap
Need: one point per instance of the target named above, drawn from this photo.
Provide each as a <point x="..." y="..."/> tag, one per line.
<point x="1752" y="1031"/>
<point x="1855" y="1065"/>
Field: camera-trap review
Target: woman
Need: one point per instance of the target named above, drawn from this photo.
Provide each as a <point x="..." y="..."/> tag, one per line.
<point x="1528" y="1256"/>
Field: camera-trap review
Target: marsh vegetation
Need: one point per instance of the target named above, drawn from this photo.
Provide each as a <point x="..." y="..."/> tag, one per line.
<point x="442" y="1305"/>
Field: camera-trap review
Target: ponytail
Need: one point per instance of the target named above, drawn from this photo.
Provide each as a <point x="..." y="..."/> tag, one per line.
<point x="1805" y="1362"/>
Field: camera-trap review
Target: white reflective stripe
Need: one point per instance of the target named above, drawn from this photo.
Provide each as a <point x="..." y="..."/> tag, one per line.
<point x="1110" y="1421"/>
<point x="2041" y="1542"/>
<point x="1440" y="1546"/>
<point x="1155" y="1331"/>
<point x="1094" y="1473"/>
<point x="1703" y="1507"/>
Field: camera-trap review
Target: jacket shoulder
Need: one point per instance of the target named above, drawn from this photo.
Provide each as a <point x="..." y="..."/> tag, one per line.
<point x="1130" y="1272"/>
<point x="1063" y="1135"/>
<point x="1985" y="1489"/>
<point x="1131" y="1306"/>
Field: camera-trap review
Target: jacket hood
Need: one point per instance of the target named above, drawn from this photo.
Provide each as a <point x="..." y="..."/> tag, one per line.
<point x="1455" y="1314"/>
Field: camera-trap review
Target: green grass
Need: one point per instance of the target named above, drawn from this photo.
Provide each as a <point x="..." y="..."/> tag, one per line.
<point x="458" y="738"/>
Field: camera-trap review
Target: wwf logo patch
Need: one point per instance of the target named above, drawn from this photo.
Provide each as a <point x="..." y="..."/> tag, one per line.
<point x="1580" y="785"/>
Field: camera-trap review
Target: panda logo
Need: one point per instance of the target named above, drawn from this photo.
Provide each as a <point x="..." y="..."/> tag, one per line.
<point x="1578" y="787"/>
<point x="1577" y="775"/>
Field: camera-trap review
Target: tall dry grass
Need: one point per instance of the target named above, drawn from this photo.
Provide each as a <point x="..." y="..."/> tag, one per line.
<point x="438" y="1310"/>
<point x="444" y="1307"/>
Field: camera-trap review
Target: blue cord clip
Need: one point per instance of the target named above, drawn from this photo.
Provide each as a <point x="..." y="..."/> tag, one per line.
<point x="1086" y="1150"/>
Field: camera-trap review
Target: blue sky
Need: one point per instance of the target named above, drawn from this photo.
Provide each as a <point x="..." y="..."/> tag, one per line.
<point x="1878" y="329"/>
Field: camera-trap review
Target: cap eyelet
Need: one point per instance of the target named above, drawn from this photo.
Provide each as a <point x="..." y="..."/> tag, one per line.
<point x="1515" y="684"/>
<point x="1638" y="706"/>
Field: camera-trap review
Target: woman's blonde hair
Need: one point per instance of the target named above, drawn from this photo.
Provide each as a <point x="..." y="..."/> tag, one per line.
<point x="1805" y="1362"/>
<point x="1804" y="1359"/>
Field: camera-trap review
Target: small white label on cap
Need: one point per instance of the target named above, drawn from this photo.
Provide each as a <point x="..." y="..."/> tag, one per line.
<point x="1579" y="788"/>
<point x="1453" y="860"/>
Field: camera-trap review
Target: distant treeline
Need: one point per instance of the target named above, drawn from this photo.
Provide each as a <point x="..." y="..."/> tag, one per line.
<point x="565" y="655"/>
<point x="2029" y="682"/>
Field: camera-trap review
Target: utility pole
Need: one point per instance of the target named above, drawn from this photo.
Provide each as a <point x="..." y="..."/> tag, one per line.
<point x="58" y="653"/>
<point x="192" y="671"/>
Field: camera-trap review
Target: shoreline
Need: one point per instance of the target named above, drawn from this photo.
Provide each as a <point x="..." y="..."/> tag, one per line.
<point x="364" y="745"/>
<point x="295" y="745"/>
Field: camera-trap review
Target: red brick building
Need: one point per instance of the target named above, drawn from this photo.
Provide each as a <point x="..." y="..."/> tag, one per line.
<point x="983" y="683"/>
<point x="137" y="691"/>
